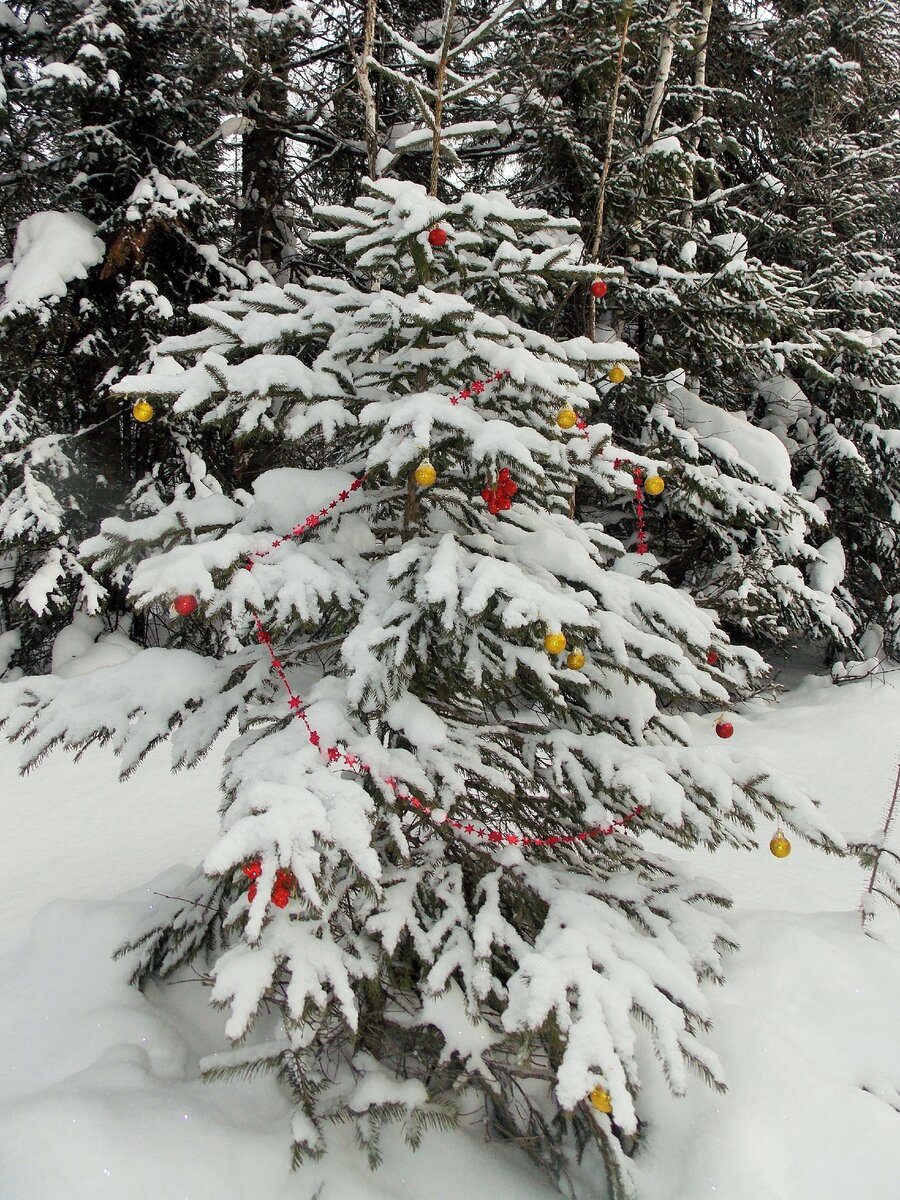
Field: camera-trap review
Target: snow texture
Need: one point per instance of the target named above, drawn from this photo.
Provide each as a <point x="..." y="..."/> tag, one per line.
<point x="51" y="250"/>
<point x="806" y="1027"/>
<point x="732" y="436"/>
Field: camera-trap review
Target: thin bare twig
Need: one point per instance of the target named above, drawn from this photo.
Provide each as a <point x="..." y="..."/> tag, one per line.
<point x="184" y="900"/>
<point x="449" y="12"/>
<point x="887" y="825"/>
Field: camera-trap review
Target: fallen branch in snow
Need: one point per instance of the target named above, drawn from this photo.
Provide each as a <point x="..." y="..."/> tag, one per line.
<point x="867" y="911"/>
<point x="842" y="672"/>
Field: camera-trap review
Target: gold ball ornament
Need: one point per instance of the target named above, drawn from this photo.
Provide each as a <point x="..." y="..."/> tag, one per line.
<point x="555" y="643"/>
<point x="566" y="417"/>
<point x="600" y="1100"/>
<point x="576" y="660"/>
<point x="425" y="474"/>
<point x="654" y="485"/>
<point x="142" y="412"/>
<point x="779" y="845"/>
<point x="615" y="374"/>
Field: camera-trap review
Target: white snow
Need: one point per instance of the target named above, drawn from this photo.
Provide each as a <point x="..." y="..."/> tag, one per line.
<point x="731" y="435"/>
<point x="829" y="571"/>
<point x="67" y="72"/>
<point x="807" y="1027"/>
<point x="83" y="646"/>
<point x="734" y="245"/>
<point x="51" y="249"/>
<point x="665" y="145"/>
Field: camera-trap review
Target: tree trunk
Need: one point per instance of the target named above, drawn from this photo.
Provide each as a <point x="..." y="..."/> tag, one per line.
<point x="663" y="71"/>
<point x="263" y="226"/>
<point x="699" y="85"/>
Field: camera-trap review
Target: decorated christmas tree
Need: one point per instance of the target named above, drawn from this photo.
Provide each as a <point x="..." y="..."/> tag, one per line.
<point x="456" y="715"/>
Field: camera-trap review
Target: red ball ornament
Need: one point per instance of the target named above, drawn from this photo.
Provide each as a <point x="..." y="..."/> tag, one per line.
<point x="280" y="897"/>
<point x="438" y="237"/>
<point x="712" y="658"/>
<point x="599" y="289"/>
<point x="185" y="605"/>
<point x="724" y="729"/>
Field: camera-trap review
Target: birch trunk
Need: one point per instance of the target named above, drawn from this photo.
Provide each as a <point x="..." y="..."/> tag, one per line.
<point x="663" y="71"/>
<point x="699" y="85"/>
<point x="700" y="70"/>
<point x="365" y="87"/>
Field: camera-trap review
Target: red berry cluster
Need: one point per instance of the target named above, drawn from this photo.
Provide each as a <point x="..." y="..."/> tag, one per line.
<point x="281" y="889"/>
<point x="499" y="498"/>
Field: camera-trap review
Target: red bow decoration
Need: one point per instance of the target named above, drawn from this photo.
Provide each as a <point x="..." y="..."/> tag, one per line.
<point x="281" y="889"/>
<point x="499" y="498"/>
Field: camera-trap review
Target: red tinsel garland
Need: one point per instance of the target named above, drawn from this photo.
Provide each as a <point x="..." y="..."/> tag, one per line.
<point x="336" y="755"/>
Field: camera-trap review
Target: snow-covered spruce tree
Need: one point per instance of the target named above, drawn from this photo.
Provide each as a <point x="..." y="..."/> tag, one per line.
<point x="648" y="166"/>
<point x="16" y="32"/>
<point x="831" y="75"/>
<point x="109" y="102"/>
<point x="440" y="810"/>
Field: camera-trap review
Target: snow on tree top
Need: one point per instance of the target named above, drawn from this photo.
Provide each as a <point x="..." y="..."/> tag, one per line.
<point x="51" y="250"/>
<point x="390" y="212"/>
<point x="754" y="448"/>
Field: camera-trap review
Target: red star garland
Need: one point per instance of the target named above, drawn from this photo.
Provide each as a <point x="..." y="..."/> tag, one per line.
<point x="477" y="386"/>
<point x="500" y="497"/>
<point x="638" y="476"/>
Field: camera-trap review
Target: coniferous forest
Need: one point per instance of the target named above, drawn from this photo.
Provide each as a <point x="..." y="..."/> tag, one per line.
<point x="440" y="403"/>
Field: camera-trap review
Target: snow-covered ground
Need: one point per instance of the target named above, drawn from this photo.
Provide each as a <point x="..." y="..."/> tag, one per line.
<point x="100" y="1095"/>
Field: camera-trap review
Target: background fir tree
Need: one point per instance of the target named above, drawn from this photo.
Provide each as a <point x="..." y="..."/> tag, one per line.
<point x="830" y="75"/>
<point x="109" y="103"/>
<point x="657" y="183"/>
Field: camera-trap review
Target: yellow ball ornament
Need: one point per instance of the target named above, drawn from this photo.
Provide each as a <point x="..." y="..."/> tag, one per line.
<point x="566" y="417"/>
<point x="555" y="643"/>
<point x="600" y="1100"/>
<point x="142" y="412"/>
<point x="654" y="485"/>
<point x="779" y="845"/>
<point x="425" y="474"/>
<point x="615" y="374"/>
<point x="576" y="660"/>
